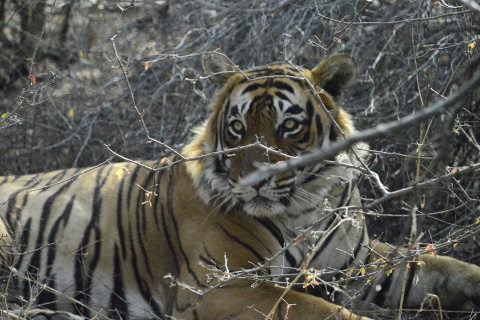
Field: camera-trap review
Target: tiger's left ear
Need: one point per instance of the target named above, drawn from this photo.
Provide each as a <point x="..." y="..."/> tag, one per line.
<point x="336" y="74"/>
<point x="218" y="67"/>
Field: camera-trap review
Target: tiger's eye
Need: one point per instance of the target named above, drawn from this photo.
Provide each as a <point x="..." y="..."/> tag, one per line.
<point x="289" y="124"/>
<point x="237" y="126"/>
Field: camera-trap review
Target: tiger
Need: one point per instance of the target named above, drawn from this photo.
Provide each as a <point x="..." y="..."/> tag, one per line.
<point x="187" y="238"/>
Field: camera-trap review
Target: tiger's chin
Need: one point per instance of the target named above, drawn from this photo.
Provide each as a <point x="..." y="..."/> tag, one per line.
<point x="260" y="207"/>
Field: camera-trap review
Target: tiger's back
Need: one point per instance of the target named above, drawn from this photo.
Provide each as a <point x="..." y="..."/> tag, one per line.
<point x="82" y="237"/>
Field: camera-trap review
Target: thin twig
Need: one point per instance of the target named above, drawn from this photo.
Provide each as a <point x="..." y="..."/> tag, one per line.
<point x="134" y="104"/>
<point x="381" y="130"/>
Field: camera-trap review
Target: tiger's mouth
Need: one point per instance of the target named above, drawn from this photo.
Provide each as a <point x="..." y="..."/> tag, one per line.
<point x="261" y="203"/>
<point x="262" y="207"/>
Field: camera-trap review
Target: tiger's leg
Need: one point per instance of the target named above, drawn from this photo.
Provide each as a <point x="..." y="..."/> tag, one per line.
<point x="12" y="304"/>
<point x="43" y="314"/>
<point x="454" y="282"/>
<point x="7" y="261"/>
<point x="238" y="300"/>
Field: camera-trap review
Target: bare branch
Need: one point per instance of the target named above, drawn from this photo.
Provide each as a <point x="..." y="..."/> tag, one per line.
<point x="134" y="104"/>
<point x="73" y="177"/>
<point x="381" y="130"/>
<point x="471" y="4"/>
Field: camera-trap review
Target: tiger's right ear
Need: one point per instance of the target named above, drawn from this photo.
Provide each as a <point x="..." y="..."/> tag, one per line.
<point x="218" y="67"/>
<point x="336" y="74"/>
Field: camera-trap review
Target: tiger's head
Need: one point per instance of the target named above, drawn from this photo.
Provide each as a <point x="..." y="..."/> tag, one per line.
<point x="291" y="111"/>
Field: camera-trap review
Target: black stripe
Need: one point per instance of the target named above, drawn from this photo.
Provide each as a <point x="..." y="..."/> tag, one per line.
<point x="143" y="285"/>
<point x="254" y="86"/>
<point x="221" y="122"/>
<point x="283" y="86"/>
<point x="273" y="229"/>
<point x="141" y="216"/>
<point x="243" y="244"/>
<point x="170" y="195"/>
<point x="308" y="123"/>
<point x="346" y="194"/>
<point x="57" y="227"/>
<point x="306" y="137"/>
<point x="333" y="135"/>
<point x="117" y="298"/>
<point x="273" y="69"/>
<point x="295" y="109"/>
<point x="160" y="210"/>
<point x="209" y="259"/>
<point x="312" y="175"/>
<point x="234" y="111"/>
<point x="278" y="73"/>
<point x="36" y="262"/>
<point x="83" y="272"/>
<point x="380" y="296"/>
<point x="46" y="298"/>
<point x="13" y="215"/>
<point x="359" y="244"/>
<point x="25" y="238"/>
<point x="253" y="235"/>
<point x="139" y="275"/>
<point x="310" y="110"/>
<point x="283" y="97"/>
<point x="352" y="258"/>
<point x="227" y="106"/>
<point x="168" y="239"/>
<point x="253" y="102"/>
<point x="56" y="178"/>
<point x="131" y="185"/>
<point x="411" y="275"/>
<point x="329" y="238"/>
<point x="318" y="124"/>
<point x="156" y="199"/>
<point x="195" y="314"/>
<point x="120" y="213"/>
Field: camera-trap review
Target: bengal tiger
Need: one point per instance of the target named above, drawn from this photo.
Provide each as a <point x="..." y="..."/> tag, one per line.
<point x="189" y="240"/>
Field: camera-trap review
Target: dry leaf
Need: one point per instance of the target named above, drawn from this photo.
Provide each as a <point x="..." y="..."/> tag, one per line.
<point x="119" y="173"/>
<point x="33" y="80"/>
<point x="430" y="247"/>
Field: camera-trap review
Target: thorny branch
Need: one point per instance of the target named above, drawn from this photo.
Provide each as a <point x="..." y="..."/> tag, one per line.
<point x="450" y="105"/>
<point x="134" y="104"/>
<point x="8" y="119"/>
<point x="471" y="4"/>
<point x="69" y="179"/>
<point x="260" y="272"/>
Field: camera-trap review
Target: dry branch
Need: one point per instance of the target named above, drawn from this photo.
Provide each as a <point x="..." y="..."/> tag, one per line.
<point x="450" y="106"/>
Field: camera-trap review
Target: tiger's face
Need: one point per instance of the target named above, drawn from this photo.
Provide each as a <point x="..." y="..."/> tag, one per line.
<point x="288" y="111"/>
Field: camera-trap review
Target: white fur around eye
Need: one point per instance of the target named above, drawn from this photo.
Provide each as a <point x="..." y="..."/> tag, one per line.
<point x="236" y="128"/>
<point x="291" y="126"/>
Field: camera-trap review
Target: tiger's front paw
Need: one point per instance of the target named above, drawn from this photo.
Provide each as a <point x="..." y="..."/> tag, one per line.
<point x="455" y="282"/>
<point x="346" y="314"/>
<point x="466" y="285"/>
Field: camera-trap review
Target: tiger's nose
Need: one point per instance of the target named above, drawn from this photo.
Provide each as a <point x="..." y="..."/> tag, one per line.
<point x="261" y="183"/>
